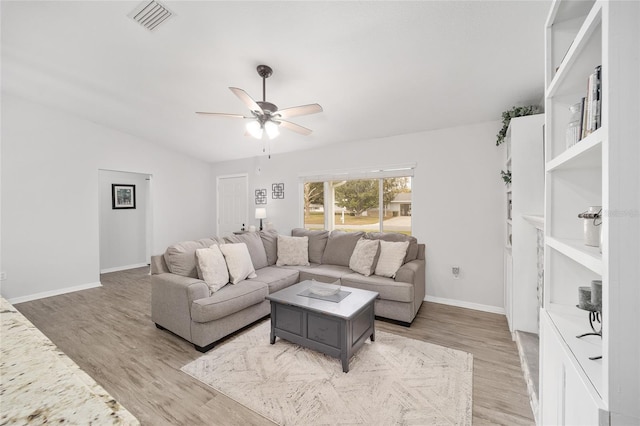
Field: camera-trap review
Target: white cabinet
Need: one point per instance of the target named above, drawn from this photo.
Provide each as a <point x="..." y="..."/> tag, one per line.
<point x="566" y="399"/>
<point x="603" y="169"/>
<point x="525" y="197"/>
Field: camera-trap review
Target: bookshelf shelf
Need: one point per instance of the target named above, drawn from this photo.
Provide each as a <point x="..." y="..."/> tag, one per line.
<point x="585" y="154"/>
<point x="577" y="59"/>
<point x="589" y="257"/>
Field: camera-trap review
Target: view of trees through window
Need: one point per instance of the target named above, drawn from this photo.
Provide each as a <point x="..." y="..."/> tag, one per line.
<point x="369" y="205"/>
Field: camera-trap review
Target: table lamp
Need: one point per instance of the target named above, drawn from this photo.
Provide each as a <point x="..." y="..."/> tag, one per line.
<point x="261" y="213"/>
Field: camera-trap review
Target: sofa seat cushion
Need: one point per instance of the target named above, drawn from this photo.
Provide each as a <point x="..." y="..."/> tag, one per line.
<point x="325" y="273"/>
<point x="228" y="300"/>
<point x="277" y="278"/>
<point x="388" y="288"/>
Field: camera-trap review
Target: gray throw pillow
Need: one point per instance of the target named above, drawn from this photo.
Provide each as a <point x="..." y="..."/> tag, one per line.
<point x="317" y="242"/>
<point x="254" y="245"/>
<point x="340" y="246"/>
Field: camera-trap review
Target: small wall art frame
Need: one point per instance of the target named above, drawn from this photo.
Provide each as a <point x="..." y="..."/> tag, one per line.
<point x="123" y="196"/>
<point x="277" y="191"/>
<point x="261" y="196"/>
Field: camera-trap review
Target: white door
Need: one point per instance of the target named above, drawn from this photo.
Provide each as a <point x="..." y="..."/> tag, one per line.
<point x="232" y="203"/>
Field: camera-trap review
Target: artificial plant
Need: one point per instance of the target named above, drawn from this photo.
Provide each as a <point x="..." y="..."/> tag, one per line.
<point x="508" y="115"/>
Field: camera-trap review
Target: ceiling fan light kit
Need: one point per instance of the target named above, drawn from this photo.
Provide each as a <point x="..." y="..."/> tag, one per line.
<point x="265" y="116"/>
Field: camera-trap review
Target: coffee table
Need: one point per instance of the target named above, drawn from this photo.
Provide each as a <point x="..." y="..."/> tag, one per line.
<point x="337" y="329"/>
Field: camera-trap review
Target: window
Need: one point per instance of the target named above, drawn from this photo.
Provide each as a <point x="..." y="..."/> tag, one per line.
<point x="359" y="204"/>
<point x="314" y="205"/>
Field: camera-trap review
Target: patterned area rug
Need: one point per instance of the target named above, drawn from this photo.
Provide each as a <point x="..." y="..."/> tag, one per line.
<point x="394" y="380"/>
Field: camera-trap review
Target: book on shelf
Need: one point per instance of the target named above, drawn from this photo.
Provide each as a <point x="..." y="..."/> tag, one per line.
<point x="597" y="101"/>
<point x="592" y="103"/>
<point x="591" y="110"/>
<point x="583" y="111"/>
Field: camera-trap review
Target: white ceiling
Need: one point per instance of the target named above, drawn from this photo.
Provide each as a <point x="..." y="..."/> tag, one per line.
<point x="377" y="68"/>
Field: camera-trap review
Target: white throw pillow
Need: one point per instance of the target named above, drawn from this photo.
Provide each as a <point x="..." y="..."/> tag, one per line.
<point x="363" y="257"/>
<point x="212" y="268"/>
<point x="238" y="262"/>
<point x="391" y="257"/>
<point x="293" y="251"/>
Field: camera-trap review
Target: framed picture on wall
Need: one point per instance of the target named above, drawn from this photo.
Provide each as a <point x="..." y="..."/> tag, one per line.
<point x="123" y="196"/>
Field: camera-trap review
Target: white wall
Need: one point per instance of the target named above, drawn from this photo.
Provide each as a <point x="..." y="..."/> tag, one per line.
<point x="50" y="196"/>
<point x="123" y="232"/>
<point x="457" y="201"/>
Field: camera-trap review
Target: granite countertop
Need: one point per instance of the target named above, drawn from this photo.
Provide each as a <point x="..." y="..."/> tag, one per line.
<point x="40" y="384"/>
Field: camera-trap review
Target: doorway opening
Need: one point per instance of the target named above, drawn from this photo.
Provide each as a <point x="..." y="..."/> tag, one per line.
<point x="125" y="217"/>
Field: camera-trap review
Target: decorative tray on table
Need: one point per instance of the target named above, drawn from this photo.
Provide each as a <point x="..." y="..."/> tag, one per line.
<point x="324" y="289"/>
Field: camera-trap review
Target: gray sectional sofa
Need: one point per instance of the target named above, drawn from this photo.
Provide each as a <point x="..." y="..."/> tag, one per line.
<point x="182" y="303"/>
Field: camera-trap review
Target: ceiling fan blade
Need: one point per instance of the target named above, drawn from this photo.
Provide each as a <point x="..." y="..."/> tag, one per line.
<point x="299" y="110"/>
<point x="222" y="114"/>
<point x="294" y="127"/>
<point x="246" y="99"/>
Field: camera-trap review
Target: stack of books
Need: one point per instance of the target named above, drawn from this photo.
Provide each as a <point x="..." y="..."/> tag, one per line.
<point x="592" y="104"/>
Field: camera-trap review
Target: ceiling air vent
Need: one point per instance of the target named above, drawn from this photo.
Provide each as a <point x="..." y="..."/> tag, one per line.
<point x="150" y="14"/>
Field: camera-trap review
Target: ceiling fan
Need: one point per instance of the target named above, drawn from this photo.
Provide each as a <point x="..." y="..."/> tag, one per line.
<point x="265" y="116"/>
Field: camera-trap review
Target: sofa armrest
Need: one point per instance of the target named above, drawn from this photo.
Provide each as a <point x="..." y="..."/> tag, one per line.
<point x="413" y="272"/>
<point x="171" y="298"/>
<point x="158" y="265"/>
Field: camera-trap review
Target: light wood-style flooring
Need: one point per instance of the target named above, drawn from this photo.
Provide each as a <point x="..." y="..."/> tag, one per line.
<point x="108" y="332"/>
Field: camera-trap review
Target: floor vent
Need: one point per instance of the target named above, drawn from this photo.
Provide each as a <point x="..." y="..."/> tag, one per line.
<point x="150" y="14"/>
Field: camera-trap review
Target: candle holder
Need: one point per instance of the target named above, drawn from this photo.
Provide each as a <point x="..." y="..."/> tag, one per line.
<point x="590" y="300"/>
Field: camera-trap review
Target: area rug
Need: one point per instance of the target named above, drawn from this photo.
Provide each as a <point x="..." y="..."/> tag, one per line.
<point x="394" y="380"/>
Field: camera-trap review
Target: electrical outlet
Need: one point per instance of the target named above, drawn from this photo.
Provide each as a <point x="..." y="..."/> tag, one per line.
<point x="455" y="270"/>
<point x="3" y="276"/>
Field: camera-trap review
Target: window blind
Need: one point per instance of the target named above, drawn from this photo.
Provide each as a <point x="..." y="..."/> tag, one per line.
<point x="402" y="170"/>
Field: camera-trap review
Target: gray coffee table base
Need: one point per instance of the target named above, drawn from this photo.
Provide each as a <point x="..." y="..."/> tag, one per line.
<point x="334" y="336"/>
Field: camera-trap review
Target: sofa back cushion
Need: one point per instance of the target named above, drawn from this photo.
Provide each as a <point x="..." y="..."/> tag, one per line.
<point x="270" y="243"/>
<point x="181" y="257"/>
<point x="340" y="246"/>
<point x="317" y="242"/>
<point x="412" y="250"/>
<point x="254" y="245"/>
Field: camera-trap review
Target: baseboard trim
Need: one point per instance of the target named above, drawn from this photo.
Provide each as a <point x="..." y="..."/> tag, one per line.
<point x="51" y="293"/>
<point x="123" y="268"/>
<point x="463" y="304"/>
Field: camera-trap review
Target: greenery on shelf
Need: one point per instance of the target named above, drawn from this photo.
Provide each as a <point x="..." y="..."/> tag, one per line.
<point x="508" y="115"/>
<point x="506" y="176"/>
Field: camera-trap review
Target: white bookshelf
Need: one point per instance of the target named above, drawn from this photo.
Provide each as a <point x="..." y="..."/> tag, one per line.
<point x="600" y="170"/>
<point x="526" y="162"/>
